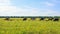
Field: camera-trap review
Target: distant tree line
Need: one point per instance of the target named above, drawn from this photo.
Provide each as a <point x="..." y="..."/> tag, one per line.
<point x="47" y="18"/>
<point x="29" y="16"/>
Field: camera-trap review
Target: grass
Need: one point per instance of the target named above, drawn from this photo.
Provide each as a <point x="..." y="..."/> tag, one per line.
<point x="18" y="26"/>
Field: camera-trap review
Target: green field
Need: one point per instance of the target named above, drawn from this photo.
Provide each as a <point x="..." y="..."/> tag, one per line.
<point x="18" y="26"/>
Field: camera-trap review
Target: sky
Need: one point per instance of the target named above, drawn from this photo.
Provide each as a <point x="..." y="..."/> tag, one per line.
<point x="29" y="7"/>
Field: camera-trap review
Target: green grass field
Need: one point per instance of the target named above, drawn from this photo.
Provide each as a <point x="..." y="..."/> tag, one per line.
<point x="18" y="26"/>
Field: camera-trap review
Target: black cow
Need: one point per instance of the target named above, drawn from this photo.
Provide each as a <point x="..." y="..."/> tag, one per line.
<point x="56" y="19"/>
<point x="24" y="19"/>
<point x="33" y="18"/>
<point x="49" y="19"/>
<point x="7" y="18"/>
<point x="42" y="18"/>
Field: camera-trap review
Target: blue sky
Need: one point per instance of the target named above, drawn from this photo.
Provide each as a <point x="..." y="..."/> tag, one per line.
<point x="29" y="7"/>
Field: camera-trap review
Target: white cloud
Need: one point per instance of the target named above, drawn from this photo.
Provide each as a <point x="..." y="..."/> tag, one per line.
<point x="49" y="4"/>
<point x="6" y="9"/>
<point x="55" y="1"/>
<point x="4" y="2"/>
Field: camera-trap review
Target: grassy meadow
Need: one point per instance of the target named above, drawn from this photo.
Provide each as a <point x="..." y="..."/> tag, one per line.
<point x="18" y="26"/>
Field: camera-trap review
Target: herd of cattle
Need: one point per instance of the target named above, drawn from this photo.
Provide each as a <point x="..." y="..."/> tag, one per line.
<point x="48" y="19"/>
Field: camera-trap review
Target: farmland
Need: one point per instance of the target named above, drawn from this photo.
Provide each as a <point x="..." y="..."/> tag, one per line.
<point x="18" y="26"/>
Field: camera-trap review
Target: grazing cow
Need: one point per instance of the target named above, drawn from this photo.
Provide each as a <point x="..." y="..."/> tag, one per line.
<point x="33" y="18"/>
<point x="24" y="19"/>
<point x="55" y="19"/>
<point x="48" y="19"/>
<point x="42" y="18"/>
<point x="7" y="18"/>
<point x="51" y="19"/>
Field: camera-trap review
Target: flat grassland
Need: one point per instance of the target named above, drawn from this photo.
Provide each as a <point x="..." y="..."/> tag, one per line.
<point x="18" y="26"/>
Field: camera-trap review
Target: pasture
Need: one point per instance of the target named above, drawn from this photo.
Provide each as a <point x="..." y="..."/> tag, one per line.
<point x="18" y="26"/>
